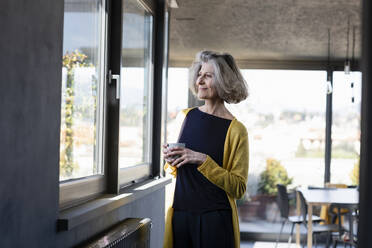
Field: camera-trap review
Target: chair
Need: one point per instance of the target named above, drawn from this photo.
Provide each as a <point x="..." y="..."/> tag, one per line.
<point x="325" y="210"/>
<point x="346" y="236"/>
<point x="336" y="185"/>
<point x="283" y="204"/>
<point x="329" y="229"/>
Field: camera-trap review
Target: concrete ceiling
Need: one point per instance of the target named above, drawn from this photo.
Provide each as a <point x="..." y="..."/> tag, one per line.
<point x="264" y="30"/>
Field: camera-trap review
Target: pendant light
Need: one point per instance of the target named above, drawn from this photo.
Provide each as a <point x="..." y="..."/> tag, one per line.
<point x="329" y="83"/>
<point x="352" y="64"/>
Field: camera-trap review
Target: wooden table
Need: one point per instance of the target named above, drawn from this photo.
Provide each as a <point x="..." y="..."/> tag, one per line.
<point x="316" y="197"/>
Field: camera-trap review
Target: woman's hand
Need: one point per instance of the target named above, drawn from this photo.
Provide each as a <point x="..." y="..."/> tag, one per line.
<point x="178" y="156"/>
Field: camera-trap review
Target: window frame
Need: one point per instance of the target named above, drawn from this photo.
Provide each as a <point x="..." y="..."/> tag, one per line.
<point x="139" y="172"/>
<point x="74" y="191"/>
<point x="77" y="191"/>
<point x="335" y="81"/>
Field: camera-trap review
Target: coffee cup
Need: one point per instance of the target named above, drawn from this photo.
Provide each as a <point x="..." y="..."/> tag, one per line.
<point x="175" y="145"/>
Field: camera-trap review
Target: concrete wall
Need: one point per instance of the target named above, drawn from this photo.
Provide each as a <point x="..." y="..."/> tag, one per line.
<point x="30" y="93"/>
<point x="151" y="206"/>
<point x="30" y="86"/>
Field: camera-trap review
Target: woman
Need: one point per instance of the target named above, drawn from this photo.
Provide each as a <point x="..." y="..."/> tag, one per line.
<point x="212" y="169"/>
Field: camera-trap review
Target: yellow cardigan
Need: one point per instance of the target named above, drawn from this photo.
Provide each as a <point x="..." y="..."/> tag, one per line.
<point x="231" y="177"/>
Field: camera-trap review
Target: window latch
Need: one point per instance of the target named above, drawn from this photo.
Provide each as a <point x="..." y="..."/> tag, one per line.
<point x="115" y="77"/>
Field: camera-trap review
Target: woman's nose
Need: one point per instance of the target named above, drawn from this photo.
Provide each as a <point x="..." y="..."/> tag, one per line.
<point x="200" y="80"/>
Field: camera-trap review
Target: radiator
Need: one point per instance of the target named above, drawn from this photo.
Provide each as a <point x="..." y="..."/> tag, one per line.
<point x="130" y="233"/>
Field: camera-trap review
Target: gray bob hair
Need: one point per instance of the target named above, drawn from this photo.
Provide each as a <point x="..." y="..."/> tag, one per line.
<point x="228" y="81"/>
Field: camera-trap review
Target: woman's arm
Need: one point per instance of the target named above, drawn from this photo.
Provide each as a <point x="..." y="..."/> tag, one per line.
<point x="233" y="179"/>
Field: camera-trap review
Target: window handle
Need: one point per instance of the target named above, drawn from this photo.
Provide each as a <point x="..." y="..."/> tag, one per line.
<point x="115" y="77"/>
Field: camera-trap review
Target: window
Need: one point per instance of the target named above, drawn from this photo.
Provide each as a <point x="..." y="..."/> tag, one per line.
<point x="135" y="111"/>
<point x="82" y="101"/>
<point x="285" y="119"/>
<point x="346" y="128"/>
<point x="285" y="115"/>
<point x="135" y="93"/>
<point x="85" y="114"/>
<point x="177" y="97"/>
<point x="83" y="76"/>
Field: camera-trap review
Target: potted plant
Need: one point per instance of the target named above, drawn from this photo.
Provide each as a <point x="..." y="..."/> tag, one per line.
<point x="247" y="208"/>
<point x="274" y="174"/>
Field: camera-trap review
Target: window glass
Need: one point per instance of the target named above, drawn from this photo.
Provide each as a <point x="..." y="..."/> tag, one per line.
<point x="346" y="128"/>
<point x="285" y="119"/>
<point x="135" y="97"/>
<point x="177" y="98"/>
<point x="82" y="82"/>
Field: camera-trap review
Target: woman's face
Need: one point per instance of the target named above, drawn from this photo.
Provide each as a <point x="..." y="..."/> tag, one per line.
<point x="204" y="82"/>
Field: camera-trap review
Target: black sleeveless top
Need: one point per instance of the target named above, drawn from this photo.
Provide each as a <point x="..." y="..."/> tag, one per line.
<point x="205" y="133"/>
